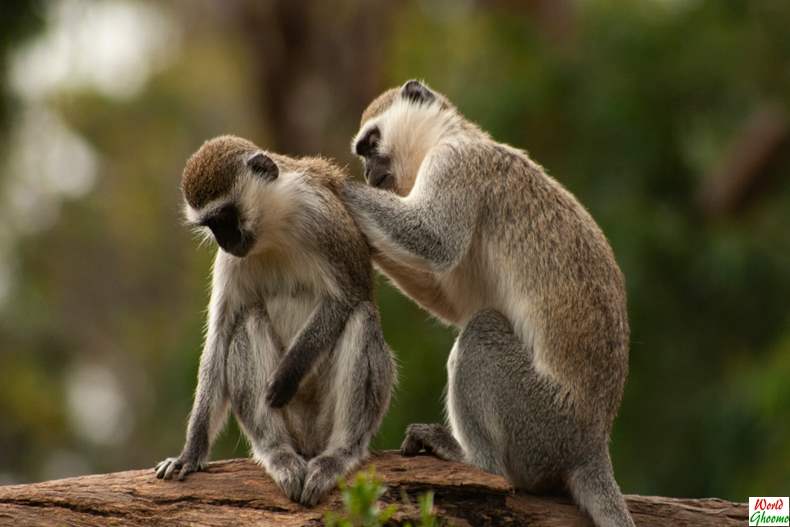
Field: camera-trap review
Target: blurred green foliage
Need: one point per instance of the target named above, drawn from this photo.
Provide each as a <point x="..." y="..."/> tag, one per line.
<point x="639" y="108"/>
<point x="361" y="506"/>
<point x="20" y="19"/>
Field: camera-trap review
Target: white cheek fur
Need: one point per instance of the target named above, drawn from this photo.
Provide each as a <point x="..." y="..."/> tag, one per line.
<point x="408" y="132"/>
<point x="191" y="216"/>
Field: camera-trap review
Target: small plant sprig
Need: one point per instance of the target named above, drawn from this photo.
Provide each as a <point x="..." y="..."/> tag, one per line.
<point x="427" y="517"/>
<point x="361" y="506"/>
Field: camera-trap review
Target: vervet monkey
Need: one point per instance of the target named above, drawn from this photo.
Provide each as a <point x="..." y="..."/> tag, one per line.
<point x="291" y="292"/>
<point x="479" y="235"/>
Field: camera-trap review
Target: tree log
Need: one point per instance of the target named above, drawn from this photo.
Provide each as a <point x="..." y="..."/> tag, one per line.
<point x="238" y="492"/>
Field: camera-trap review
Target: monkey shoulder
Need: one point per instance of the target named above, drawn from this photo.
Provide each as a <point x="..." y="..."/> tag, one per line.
<point x="478" y="165"/>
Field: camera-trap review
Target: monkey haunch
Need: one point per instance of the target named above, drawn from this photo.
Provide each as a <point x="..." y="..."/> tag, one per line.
<point x="294" y="271"/>
<point x="478" y="234"/>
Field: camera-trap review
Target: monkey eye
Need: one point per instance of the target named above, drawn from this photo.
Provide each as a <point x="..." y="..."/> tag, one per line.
<point x="263" y="166"/>
<point x="368" y="144"/>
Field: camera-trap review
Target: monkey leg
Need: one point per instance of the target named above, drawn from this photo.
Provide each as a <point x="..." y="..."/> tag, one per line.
<point x="363" y="374"/>
<point x="512" y="420"/>
<point x="468" y="406"/>
<point x="508" y="419"/>
<point x="252" y="356"/>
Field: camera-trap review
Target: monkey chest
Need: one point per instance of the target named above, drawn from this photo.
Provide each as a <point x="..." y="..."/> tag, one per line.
<point x="289" y="313"/>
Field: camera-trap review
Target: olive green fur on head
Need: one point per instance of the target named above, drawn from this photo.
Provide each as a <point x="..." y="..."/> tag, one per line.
<point x="211" y="172"/>
<point x="379" y="105"/>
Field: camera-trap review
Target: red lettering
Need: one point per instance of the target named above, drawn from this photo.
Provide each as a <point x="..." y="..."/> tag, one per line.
<point x="763" y="504"/>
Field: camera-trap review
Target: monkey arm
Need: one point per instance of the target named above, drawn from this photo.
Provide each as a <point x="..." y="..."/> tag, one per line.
<point x="430" y="230"/>
<point x="210" y="407"/>
<point x="319" y="335"/>
<point x="210" y="396"/>
<point x="421" y="286"/>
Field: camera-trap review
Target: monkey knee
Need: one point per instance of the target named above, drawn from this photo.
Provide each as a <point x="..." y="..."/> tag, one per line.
<point x="486" y="328"/>
<point x="488" y="321"/>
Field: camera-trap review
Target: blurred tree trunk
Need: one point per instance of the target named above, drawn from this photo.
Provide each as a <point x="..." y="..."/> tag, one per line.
<point x="556" y="20"/>
<point x="742" y="170"/>
<point x="317" y="64"/>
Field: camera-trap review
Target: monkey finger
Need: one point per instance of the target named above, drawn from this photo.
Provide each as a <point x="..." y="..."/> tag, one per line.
<point x="171" y="468"/>
<point x="411" y="446"/>
<point x="162" y="467"/>
<point x="291" y="485"/>
<point x="186" y="469"/>
<point x="311" y="495"/>
<point x="160" y="472"/>
<point x="279" y="395"/>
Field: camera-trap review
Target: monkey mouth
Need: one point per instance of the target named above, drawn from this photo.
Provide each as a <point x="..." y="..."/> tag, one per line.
<point x="235" y="241"/>
<point x="380" y="180"/>
<point x="228" y="231"/>
<point x="377" y="171"/>
<point x="239" y="249"/>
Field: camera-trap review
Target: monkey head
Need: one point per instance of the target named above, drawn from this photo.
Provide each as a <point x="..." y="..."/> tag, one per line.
<point x="229" y="190"/>
<point x="397" y="130"/>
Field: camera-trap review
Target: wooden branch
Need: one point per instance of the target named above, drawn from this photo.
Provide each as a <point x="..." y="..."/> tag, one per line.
<point x="238" y="492"/>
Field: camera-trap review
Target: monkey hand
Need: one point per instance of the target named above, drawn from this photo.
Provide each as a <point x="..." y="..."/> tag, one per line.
<point x="434" y="439"/>
<point x="280" y="391"/>
<point x="177" y="467"/>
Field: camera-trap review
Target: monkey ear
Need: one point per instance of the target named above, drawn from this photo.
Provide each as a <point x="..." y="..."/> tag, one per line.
<point x="416" y="91"/>
<point x="263" y="166"/>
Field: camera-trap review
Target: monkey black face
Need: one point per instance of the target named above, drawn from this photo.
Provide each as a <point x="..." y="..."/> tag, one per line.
<point x="227" y="227"/>
<point x="227" y="224"/>
<point x="378" y="171"/>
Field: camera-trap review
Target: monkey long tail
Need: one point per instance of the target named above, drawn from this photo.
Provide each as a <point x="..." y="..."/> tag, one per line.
<point x="595" y="490"/>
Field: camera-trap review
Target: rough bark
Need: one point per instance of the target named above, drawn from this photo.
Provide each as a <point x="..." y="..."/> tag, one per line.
<point x="238" y="492"/>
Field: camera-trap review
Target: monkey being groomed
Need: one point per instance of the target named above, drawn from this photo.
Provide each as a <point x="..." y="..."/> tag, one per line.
<point x="292" y="301"/>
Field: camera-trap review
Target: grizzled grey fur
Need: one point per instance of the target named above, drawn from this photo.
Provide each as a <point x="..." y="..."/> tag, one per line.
<point x="479" y="235"/>
<point x="294" y="346"/>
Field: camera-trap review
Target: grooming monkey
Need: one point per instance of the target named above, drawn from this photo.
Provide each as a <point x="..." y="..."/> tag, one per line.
<point x="291" y="300"/>
<point x="479" y="235"/>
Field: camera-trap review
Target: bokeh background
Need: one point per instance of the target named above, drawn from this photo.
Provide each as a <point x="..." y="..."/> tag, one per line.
<point x="668" y="119"/>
